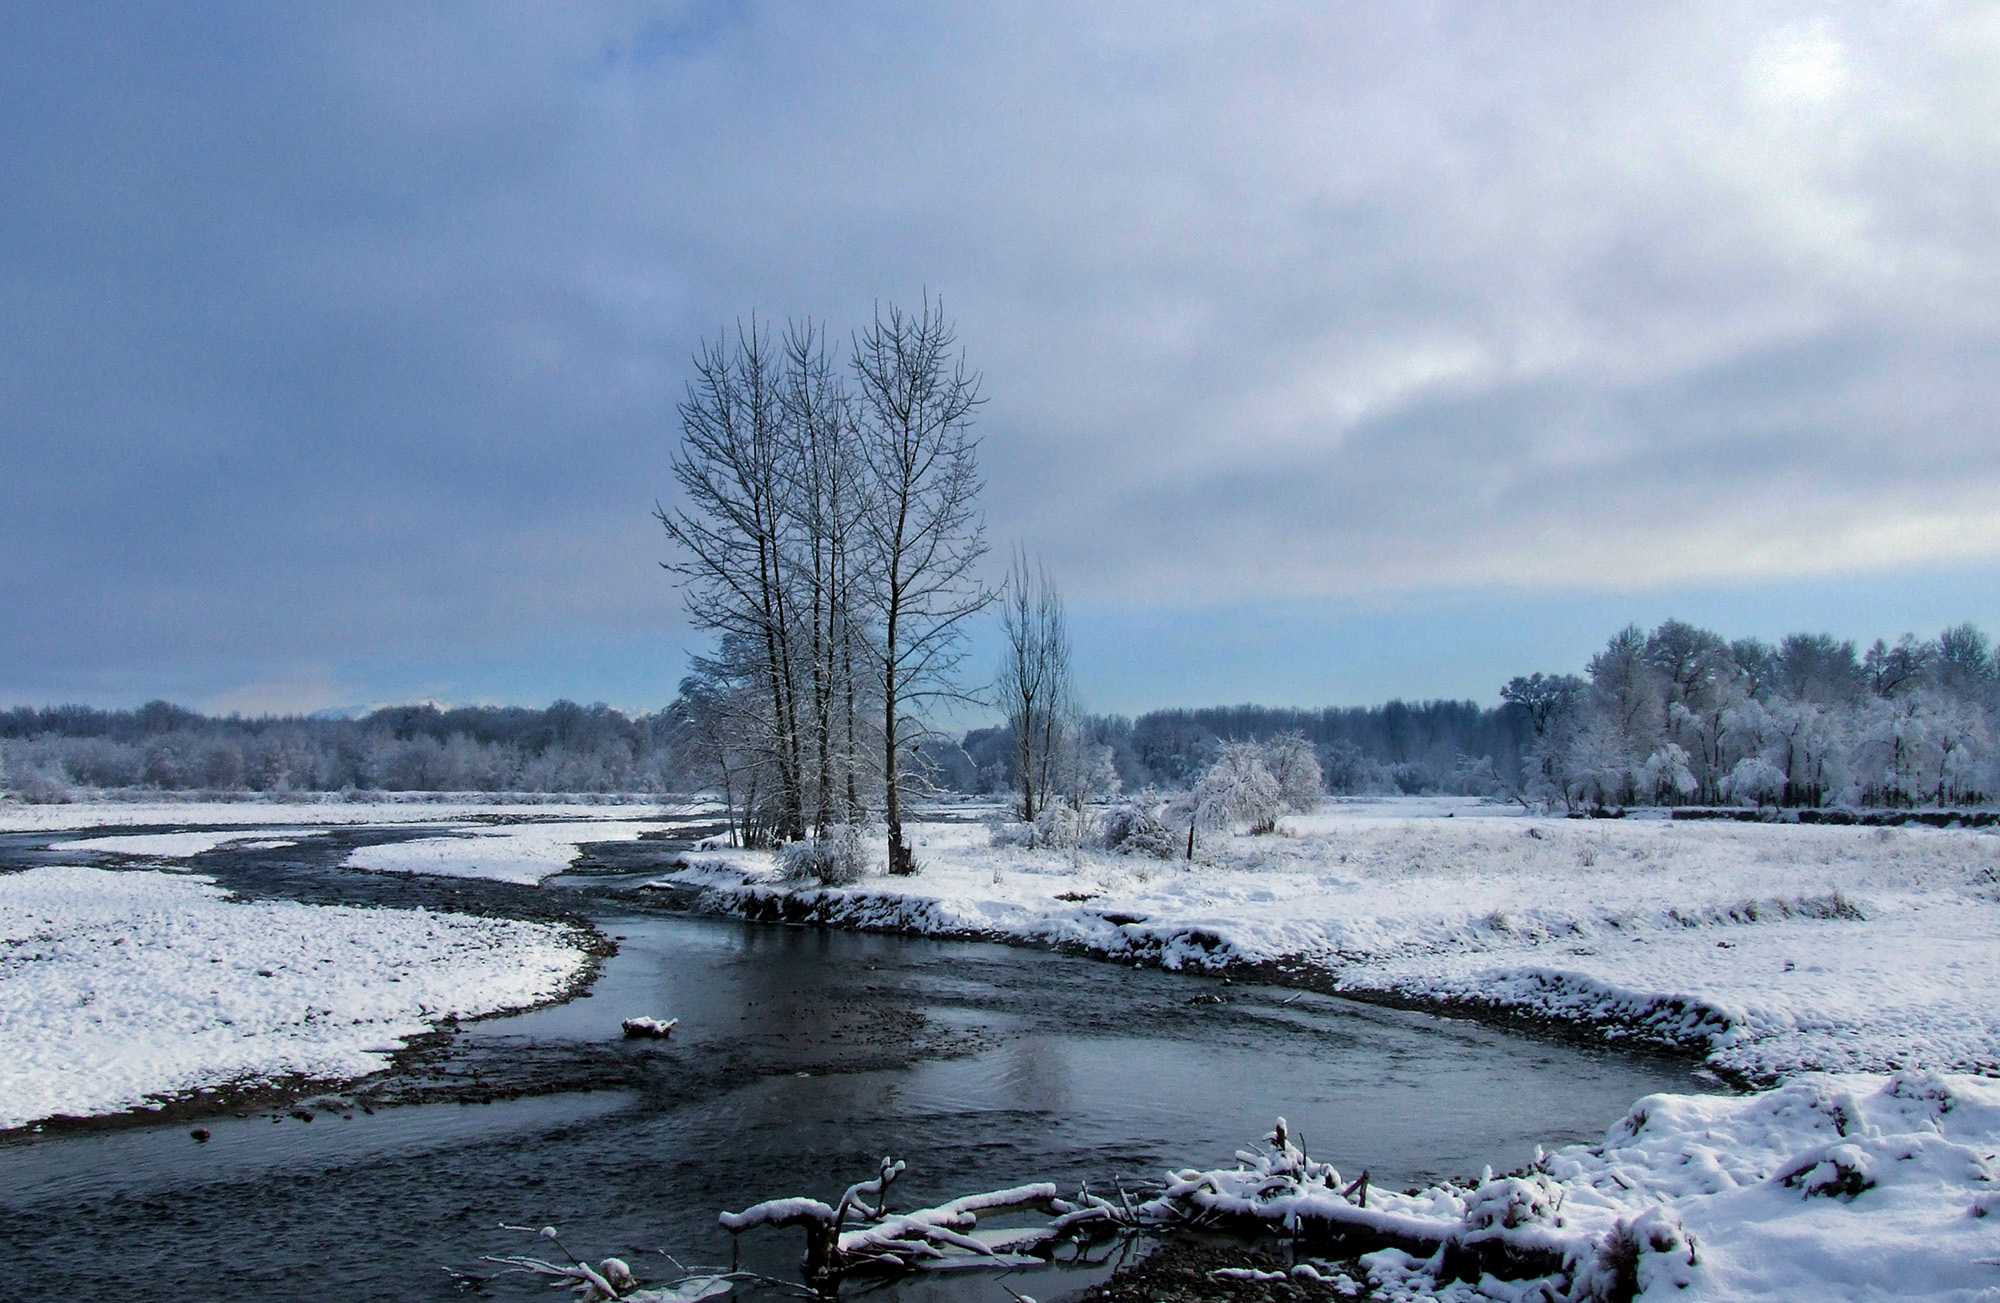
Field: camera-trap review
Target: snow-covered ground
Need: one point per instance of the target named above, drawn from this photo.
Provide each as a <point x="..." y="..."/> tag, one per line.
<point x="522" y="853"/>
<point x="1770" y="948"/>
<point x="122" y="987"/>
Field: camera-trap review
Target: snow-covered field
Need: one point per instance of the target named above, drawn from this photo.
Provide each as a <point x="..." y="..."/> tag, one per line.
<point x="1770" y="948"/>
<point x="122" y="987"/>
<point x="534" y="842"/>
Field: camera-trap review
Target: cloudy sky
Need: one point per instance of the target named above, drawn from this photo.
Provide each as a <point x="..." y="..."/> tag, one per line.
<point x="1333" y="352"/>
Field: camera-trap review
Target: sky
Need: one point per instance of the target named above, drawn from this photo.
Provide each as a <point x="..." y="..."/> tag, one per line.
<point x="1332" y="352"/>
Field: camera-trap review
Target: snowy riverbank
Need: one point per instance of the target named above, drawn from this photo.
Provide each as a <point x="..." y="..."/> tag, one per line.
<point x="1768" y="949"/>
<point x="119" y="989"/>
<point x="1830" y="1187"/>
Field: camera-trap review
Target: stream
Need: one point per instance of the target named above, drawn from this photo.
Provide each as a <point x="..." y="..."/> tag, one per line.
<point x="802" y="1057"/>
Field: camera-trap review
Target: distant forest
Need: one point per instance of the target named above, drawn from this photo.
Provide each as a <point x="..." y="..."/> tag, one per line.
<point x="44" y="753"/>
<point x="565" y="748"/>
<point x="1677" y="715"/>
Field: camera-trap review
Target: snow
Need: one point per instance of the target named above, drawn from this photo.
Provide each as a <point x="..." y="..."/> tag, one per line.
<point x="520" y="853"/>
<point x="1831" y="1187"/>
<point x="1757" y="1185"/>
<point x="175" y="845"/>
<point x="121" y="988"/>
<point x="1770" y="949"/>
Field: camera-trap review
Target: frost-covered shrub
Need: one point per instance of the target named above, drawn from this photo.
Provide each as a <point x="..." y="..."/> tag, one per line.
<point x="1134" y="828"/>
<point x="838" y="859"/>
<point x="1063" y="825"/>
<point x="1055" y="826"/>
<point x="42" y="783"/>
<point x="1238" y="789"/>
<point x="1011" y="832"/>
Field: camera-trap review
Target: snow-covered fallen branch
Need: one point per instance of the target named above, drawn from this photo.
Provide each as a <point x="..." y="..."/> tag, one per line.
<point x="853" y="1237"/>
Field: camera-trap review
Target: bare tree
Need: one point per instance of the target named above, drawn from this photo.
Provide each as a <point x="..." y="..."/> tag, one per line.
<point x="827" y="563"/>
<point x="916" y="401"/>
<point x="733" y="532"/>
<point x="1034" y="688"/>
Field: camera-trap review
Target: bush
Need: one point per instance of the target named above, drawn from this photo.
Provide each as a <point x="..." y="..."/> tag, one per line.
<point x="1289" y="759"/>
<point x="1135" y="829"/>
<point x="1012" y="832"/>
<point x="1058" y="825"/>
<point x="838" y="859"/>
<point x="1054" y="826"/>
<point x="1238" y="789"/>
<point x="37" y="784"/>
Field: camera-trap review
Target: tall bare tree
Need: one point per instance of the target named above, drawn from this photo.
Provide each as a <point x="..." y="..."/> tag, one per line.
<point x="916" y="402"/>
<point x="1034" y="688"/>
<point x="827" y="564"/>
<point x="733" y="530"/>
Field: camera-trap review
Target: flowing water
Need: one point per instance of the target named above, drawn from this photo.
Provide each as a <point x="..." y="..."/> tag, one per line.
<point x="801" y="1058"/>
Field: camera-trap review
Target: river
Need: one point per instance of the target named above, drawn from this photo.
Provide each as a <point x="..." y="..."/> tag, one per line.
<point x="801" y="1058"/>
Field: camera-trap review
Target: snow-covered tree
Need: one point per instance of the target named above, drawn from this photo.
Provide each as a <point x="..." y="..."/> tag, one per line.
<point x="1754" y="781"/>
<point x="1290" y="761"/>
<point x="1666" y="775"/>
<point x="1238" y="789"/>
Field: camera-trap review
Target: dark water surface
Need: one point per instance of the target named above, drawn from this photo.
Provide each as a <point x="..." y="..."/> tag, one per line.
<point x="802" y="1057"/>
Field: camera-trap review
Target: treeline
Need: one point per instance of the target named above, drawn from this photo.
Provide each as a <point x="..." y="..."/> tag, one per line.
<point x="1681" y="715"/>
<point x="565" y="748"/>
<point x="1400" y="747"/>
<point x="1676" y="715"/>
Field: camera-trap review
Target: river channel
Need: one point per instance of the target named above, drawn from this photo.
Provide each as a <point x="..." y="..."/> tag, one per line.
<point x="802" y="1057"/>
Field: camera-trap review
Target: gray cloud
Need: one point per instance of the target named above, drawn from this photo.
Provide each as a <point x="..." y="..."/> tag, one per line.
<point x="337" y="337"/>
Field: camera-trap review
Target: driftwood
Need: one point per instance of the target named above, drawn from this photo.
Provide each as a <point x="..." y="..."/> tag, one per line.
<point x="1511" y="1227"/>
<point x="860" y="1235"/>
